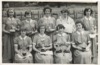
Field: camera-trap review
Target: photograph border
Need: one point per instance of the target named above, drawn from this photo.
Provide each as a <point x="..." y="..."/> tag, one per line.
<point x="98" y="5"/>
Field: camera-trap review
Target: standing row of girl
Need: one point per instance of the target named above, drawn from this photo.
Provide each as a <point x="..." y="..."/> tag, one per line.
<point x="54" y="41"/>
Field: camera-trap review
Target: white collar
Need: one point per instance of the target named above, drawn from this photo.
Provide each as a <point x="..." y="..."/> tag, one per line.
<point x="80" y="32"/>
<point x="29" y="21"/>
<point x="42" y="35"/>
<point x="63" y="34"/>
<point x="88" y="18"/>
<point x="47" y="17"/>
<point x="22" y="38"/>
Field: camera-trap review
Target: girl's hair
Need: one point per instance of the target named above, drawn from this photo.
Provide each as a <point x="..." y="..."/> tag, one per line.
<point x="47" y="8"/>
<point x="77" y="22"/>
<point x="13" y="11"/>
<point x="22" y="29"/>
<point x="27" y="13"/>
<point x="64" y="11"/>
<point x="60" y="26"/>
<point x="86" y="10"/>
<point x="40" y="27"/>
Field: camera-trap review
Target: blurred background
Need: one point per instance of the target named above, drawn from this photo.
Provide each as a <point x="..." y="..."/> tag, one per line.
<point x="75" y="8"/>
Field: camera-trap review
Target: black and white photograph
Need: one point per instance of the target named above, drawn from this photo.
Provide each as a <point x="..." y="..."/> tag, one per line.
<point x="39" y="32"/>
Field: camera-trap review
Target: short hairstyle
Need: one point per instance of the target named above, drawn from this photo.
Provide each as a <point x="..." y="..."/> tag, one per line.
<point x="22" y="29"/>
<point x="87" y="9"/>
<point x="27" y="13"/>
<point x="64" y="11"/>
<point x="40" y="27"/>
<point x="77" y="22"/>
<point x="47" y="8"/>
<point x="60" y="26"/>
<point x="13" y="11"/>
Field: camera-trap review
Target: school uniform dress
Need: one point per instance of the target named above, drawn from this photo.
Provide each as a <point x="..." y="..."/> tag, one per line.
<point x="49" y="23"/>
<point x="30" y="26"/>
<point x="81" y="40"/>
<point x="89" y="24"/>
<point x="11" y="24"/>
<point x="62" y="53"/>
<point x="23" y="46"/>
<point x="41" y="41"/>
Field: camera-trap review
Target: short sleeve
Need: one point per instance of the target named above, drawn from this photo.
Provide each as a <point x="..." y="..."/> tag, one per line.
<point x="30" y="41"/>
<point x="16" y="40"/>
<point x="82" y="20"/>
<point x="49" y="40"/>
<point x="35" y="40"/>
<point x="54" y="38"/>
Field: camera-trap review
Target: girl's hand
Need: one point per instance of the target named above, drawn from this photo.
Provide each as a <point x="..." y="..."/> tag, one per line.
<point x="19" y="53"/>
<point x="79" y="48"/>
<point x="44" y="49"/>
<point x="67" y="44"/>
<point x="12" y="30"/>
<point x="87" y="49"/>
<point x="7" y="32"/>
<point x="58" y="48"/>
<point x="38" y="51"/>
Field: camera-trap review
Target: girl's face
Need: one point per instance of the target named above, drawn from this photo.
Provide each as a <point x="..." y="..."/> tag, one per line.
<point x="65" y="14"/>
<point x="88" y="12"/>
<point x="61" y="30"/>
<point x="47" y="11"/>
<point x="79" y="26"/>
<point x="23" y="33"/>
<point x="11" y="12"/>
<point x="28" y="16"/>
<point x="42" y="29"/>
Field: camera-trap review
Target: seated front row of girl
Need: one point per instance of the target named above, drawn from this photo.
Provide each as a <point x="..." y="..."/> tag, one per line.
<point x="55" y="51"/>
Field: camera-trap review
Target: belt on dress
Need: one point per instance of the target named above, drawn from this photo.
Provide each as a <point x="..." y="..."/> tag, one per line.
<point x="65" y="51"/>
